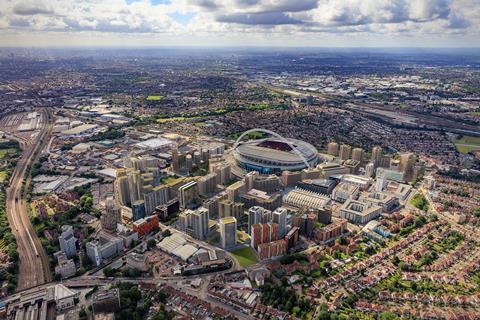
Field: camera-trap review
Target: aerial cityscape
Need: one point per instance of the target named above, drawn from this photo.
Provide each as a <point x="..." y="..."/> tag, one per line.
<point x="273" y="181"/>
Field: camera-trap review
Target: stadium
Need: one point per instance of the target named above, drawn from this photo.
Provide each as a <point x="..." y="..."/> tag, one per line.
<point x="274" y="154"/>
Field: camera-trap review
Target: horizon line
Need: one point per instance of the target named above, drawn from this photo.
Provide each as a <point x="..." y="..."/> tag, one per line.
<point x="232" y="46"/>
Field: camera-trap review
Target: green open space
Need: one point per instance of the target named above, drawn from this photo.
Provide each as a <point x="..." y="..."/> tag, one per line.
<point x="3" y="175"/>
<point x="175" y="119"/>
<point x="419" y="201"/>
<point x="251" y="135"/>
<point x="163" y="120"/>
<point x="467" y="143"/>
<point x="4" y="152"/>
<point x="154" y="98"/>
<point x="258" y="106"/>
<point x="245" y="256"/>
<point x="395" y="283"/>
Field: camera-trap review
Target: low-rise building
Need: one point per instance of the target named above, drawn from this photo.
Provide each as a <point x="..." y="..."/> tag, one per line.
<point x="128" y="236"/>
<point x="106" y="301"/>
<point x="384" y="200"/>
<point x="289" y="179"/>
<point x="345" y="191"/>
<point x="361" y="182"/>
<point x="137" y="261"/>
<point x="359" y="212"/>
<point x="399" y="190"/>
<point x="329" y="169"/>
<point x="145" y="225"/>
<point x="66" y="267"/>
<point x="256" y="197"/>
<point x="80" y="131"/>
<point x="352" y="165"/>
<point x="300" y="198"/>
<point x="64" y="297"/>
<point x="322" y="186"/>
<point x="210" y="258"/>
<point x="106" y="247"/>
<point x="331" y="231"/>
<point x="167" y="210"/>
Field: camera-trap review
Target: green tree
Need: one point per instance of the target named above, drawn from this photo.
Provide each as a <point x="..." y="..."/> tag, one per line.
<point x="166" y="233"/>
<point x="82" y="314"/>
<point x="109" y="272"/>
<point x="151" y="243"/>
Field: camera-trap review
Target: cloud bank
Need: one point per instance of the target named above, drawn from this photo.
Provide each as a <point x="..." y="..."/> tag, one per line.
<point x="286" y="19"/>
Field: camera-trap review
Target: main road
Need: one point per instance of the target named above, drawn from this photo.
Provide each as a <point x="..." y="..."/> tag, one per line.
<point x="34" y="266"/>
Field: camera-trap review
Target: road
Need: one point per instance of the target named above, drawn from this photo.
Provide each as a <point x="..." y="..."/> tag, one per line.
<point x="34" y="266"/>
<point x="202" y="292"/>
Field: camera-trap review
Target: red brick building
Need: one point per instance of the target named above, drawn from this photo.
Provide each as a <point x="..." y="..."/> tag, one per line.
<point x="145" y="225"/>
<point x="263" y="233"/>
<point x="331" y="231"/>
<point x="272" y="249"/>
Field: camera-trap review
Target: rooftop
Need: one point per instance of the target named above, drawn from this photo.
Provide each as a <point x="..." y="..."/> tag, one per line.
<point x="227" y="220"/>
<point x="154" y="143"/>
<point x="80" y="128"/>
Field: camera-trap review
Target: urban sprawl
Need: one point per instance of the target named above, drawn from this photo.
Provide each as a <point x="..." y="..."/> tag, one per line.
<point x="238" y="186"/>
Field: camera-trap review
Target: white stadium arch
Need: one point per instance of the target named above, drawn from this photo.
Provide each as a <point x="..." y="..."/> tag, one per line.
<point x="276" y="135"/>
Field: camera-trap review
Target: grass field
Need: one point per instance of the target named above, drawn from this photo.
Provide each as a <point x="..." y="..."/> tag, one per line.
<point x="245" y="256"/>
<point x="154" y="98"/>
<point x="33" y="210"/>
<point x="173" y="119"/>
<point x="252" y="135"/>
<point x="4" y="152"/>
<point x="3" y="175"/>
<point x="467" y="144"/>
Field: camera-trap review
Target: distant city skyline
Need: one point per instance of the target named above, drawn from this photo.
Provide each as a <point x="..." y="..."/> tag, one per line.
<point x="287" y="23"/>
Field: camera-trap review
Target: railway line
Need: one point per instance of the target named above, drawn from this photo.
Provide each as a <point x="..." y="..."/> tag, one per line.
<point x="34" y="266"/>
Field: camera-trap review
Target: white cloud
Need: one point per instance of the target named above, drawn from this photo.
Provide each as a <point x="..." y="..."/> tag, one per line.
<point x="257" y="19"/>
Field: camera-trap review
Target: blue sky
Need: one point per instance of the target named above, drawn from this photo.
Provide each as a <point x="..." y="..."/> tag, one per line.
<point x="183" y="18"/>
<point x="324" y="23"/>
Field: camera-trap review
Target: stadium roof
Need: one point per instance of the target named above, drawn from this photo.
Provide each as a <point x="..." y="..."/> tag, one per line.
<point x="261" y="152"/>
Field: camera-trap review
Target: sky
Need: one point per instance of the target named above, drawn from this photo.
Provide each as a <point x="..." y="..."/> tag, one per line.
<point x="286" y="23"/>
